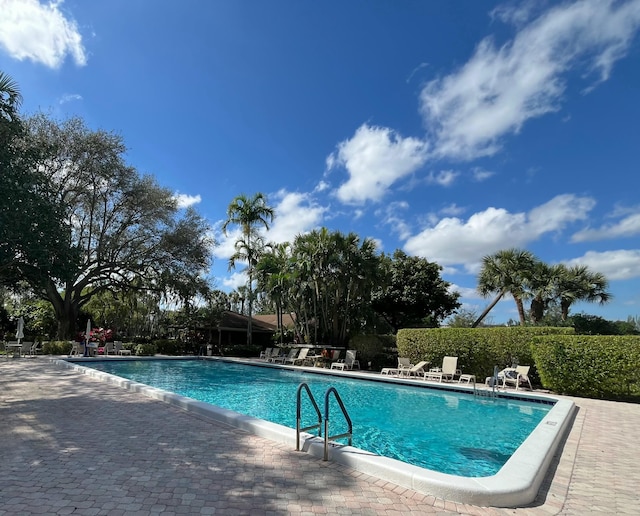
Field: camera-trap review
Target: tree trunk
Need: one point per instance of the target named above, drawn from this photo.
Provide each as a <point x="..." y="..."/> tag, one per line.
<point x="488" y="309"/>
<point x="520" y="307"/>
<point x="537" y="310"/>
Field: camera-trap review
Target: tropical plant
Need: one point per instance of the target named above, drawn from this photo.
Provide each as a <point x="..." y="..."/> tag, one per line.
<point x="251" y="214"/>
<point x="506" y="272"/>
<point x="578" y="283"/>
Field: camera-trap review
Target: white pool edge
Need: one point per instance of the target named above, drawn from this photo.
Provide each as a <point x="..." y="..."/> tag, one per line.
<point x="515" y="485"/>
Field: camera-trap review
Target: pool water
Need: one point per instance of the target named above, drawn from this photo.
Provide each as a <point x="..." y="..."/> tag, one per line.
<point x="449" y="432"/>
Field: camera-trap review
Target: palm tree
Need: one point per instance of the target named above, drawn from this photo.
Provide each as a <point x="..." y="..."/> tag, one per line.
<point x="578" y="283"/>
<point x="10" y="97"/>
<point x="542" y="285"/>
<point x="250" y="214"/>
<point x="505" y="272"/>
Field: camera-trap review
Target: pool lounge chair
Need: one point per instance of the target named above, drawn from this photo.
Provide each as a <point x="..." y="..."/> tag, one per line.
<point x="266" y="353"/>
<point x="416" y="370"/>
<point x="349" y="362"/>
<point x="299" y="360"/>
<point x="77" y="348"/>
<point x="446" y="372"/>
<point x="403" y="363"/>
<point x="275" y="353"/>
<point x="293" y="352"/>
<point x="515" y="377"/>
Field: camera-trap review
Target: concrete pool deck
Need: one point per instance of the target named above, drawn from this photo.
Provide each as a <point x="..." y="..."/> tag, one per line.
<point x="72" y="444"/>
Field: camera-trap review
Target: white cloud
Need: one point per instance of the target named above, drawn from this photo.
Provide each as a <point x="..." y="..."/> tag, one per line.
<point x="480" y="174"/>
<point x="443" y="178"/>
<point x="627" y="227"/>
<point x="296" y="213"/>
<point x="40" y="33"/>
<point x="456" y="241"/>
<point x="69" y="97"/>
<point x="237" y="279"/>
<point x="375" y="158"/>
<point x="500" y="88"/>
<point x="322" y="186"/>
<point x="622" y="264"/>
<point x="453" y="210"/>
<point x="391" y="216"/>
<point x="184" y="200"/>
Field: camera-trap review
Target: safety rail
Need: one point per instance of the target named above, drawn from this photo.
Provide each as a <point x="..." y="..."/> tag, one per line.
<point x="318" y="425"/>
<point x="328" y="437"/>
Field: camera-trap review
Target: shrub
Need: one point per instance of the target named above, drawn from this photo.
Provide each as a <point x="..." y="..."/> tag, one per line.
<point x="56" y="347"/>
<point x="478" y="349"/>
<point x="169" y="346"/>
<point x="143" y="349"/>
<point x="594" y="366"/>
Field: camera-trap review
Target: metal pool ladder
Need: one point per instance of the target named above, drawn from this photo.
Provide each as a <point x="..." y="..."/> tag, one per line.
<point x="327" y="437"/>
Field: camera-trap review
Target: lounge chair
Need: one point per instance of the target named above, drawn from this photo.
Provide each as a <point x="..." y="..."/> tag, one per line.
<point x="119" y="350"/>
<point x="299" y="360"/>
<point x="515" y="376"/>
<point x="275" y="353"/>
<point x="266" y="353"/>
<point x="446" y="372"/>
<point x="403" y="363"/>
<point x="293" y="352"/>
<point x="418" y="369"/>
<point x="107" y="348"/>
<point x="349" y="362"/>
<point x="26" y="348"/>
<point x="77" y="348"/>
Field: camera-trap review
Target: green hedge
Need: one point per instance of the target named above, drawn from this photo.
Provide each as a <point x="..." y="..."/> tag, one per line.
<point x="598" y="366"/>
<point x="56" y="347"/>
<point x="141" y="349"/>
<point x="170" y="347"/>
<point x="478" y="349"/>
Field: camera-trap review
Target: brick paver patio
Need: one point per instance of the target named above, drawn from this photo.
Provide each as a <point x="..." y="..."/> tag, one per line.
<point x="71" y="444"/>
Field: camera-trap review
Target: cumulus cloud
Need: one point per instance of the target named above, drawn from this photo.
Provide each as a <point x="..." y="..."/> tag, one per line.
<point x="627" y="227"/>
<point x="184" y="200"/>
<point x="456" y="241"/>
<point x="500" y="88"/>
<point x="622" y="264"/>
<point x="40" y="32"/>
<point x="375" y="158"/>
<point x="296" y="213"/>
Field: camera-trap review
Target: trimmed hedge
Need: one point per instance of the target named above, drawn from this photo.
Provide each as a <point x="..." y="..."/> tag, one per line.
<point x="478" y="349"/>
<point x="595" y="366"/>
<point x="170" y="347"/>
<point x="56" y="347"/>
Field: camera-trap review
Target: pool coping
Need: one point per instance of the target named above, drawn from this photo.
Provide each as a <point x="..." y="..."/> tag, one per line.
<point x="515" y="485"/>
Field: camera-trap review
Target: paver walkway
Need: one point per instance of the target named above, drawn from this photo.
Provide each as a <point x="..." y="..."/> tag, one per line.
<point x="71" y="444"/>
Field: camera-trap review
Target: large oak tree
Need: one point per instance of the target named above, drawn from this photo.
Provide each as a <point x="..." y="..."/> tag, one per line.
<point x="125" y="231"/>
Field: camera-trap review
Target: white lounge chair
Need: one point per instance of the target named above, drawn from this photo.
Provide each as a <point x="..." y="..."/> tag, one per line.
<point x="446" y="372"/>
<point x="515" y="376"/>
<point x="275" y="353"/>
<point x="266" y="353"/>
<point x="403" y="363"/>
<point x="416" y="370"/>
<point x="293" y="352"/>
<point x="299" y="360"/>
<point x="77" y="348"/>
<point x="349" y="362"/>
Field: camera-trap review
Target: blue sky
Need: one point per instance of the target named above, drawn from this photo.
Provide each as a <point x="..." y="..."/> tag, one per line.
<point x="449" y="129"/>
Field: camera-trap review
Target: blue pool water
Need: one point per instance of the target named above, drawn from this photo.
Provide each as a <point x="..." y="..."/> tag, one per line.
<point x="449" y="432"/>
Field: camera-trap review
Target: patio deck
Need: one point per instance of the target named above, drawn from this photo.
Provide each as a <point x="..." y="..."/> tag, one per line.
<point x="74" y="445"/>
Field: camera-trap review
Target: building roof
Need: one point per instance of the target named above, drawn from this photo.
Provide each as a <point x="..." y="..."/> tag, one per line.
<point x="234" y="321"/>
<point x="272" y="319"/>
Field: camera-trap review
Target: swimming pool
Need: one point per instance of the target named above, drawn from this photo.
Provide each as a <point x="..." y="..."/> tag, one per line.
<point x="514" y="485"/>
<point x="450" y="432"/>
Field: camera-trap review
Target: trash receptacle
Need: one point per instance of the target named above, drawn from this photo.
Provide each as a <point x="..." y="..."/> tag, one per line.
<point x="209" y="350"/>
